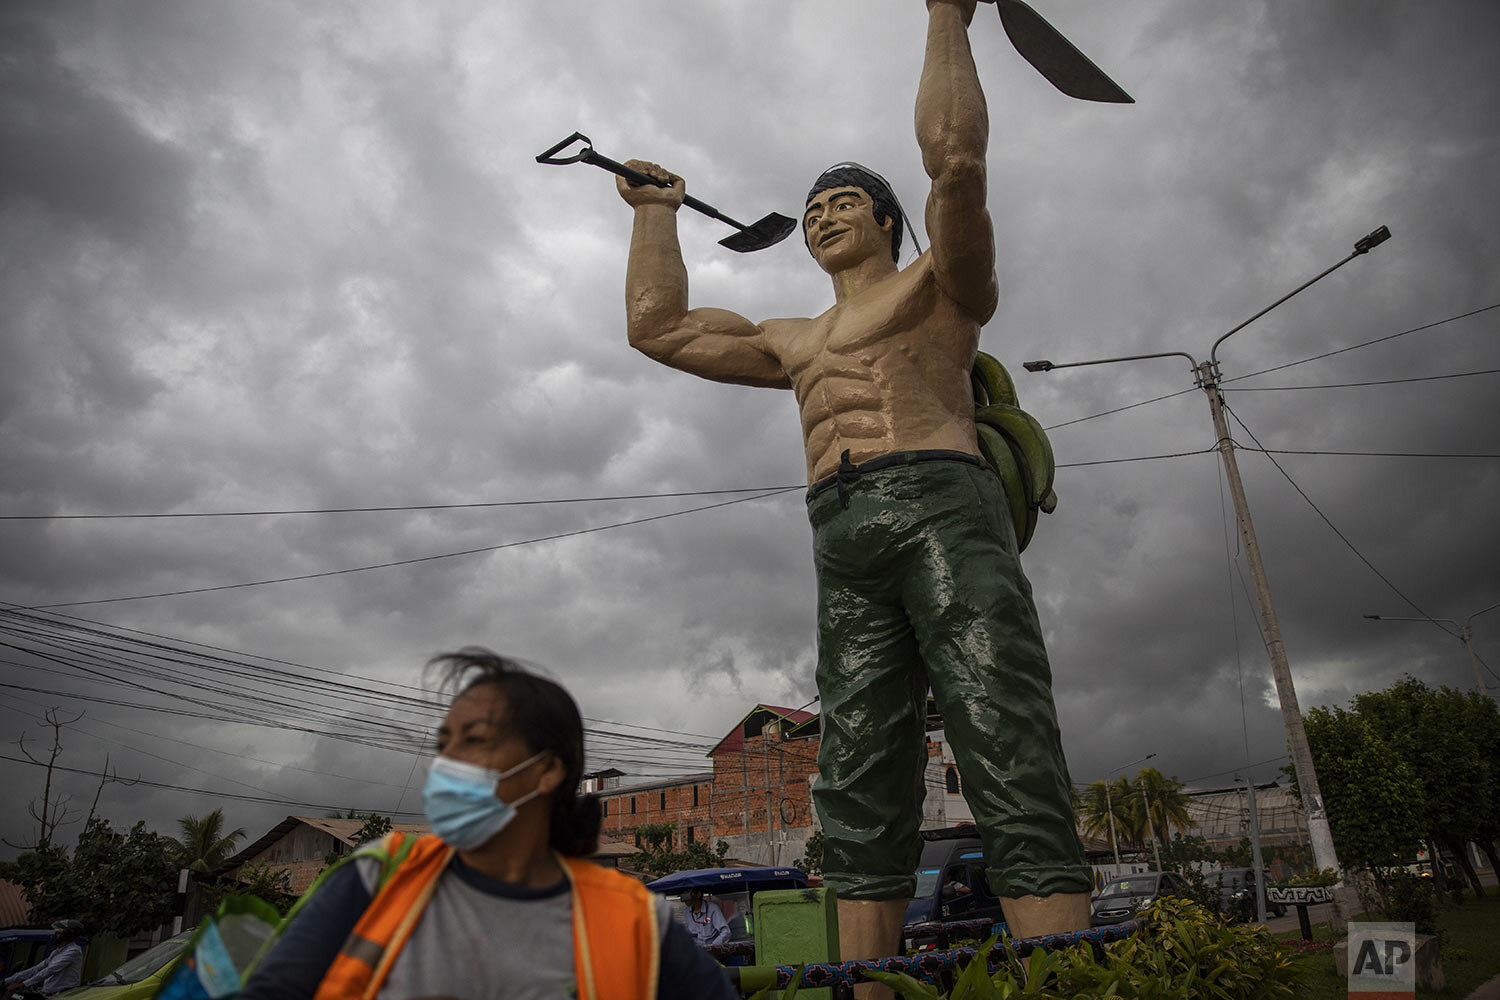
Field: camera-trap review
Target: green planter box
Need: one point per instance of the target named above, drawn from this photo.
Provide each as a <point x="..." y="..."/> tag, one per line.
<point x="797" y="926"/>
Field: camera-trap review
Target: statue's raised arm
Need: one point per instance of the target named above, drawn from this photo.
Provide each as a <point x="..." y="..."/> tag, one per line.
<point x="953" y="132"/>
<point x="712" y="343"/>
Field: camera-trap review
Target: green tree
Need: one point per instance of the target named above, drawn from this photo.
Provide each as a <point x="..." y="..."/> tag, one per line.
<point x="375" y="826"/>
<point x="659" y="857"/>
<point x="1164" y="804"/>
<point x="205" y="845"/>
<point x="115" y="883"/>
<point x="1432" y="730"/>
<point x="1483" y="719"/>
<point x="274" y="885"/>
<point x="1095" y="806"/>
<point x="811" y="861"/>
<point x="1372" y="795"/>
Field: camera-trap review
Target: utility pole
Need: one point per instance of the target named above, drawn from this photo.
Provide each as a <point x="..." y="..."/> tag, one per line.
<point x="1109" y="809"/>
<point x="1324" y="855"/>
<point x="1150" y="826"/>
<point x="1207" y="377"/>
<point x="1255" y="858"/>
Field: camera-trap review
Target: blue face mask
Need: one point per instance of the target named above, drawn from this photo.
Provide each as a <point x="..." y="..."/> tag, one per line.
<point x="460" y="801"/>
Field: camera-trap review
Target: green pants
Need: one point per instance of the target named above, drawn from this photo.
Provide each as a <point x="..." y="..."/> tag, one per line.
<point x="919" y="585"/>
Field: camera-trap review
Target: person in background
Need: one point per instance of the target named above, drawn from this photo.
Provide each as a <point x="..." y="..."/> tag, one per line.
<point x="61" y="970"/>
<point x="704" y="921"/>
<point x="497" y="902"/>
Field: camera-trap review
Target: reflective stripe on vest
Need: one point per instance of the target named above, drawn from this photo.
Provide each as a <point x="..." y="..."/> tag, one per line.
<point x="616" y="939"/>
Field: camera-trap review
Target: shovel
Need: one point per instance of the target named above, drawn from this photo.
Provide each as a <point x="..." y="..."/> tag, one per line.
<point x="1056" y="58"/>
<point x="766" y="233"/>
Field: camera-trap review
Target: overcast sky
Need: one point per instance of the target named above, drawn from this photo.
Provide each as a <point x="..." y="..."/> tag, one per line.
<point x="286" y="256"/>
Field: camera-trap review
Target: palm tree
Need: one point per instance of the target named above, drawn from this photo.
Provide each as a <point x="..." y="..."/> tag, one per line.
<point x="205" y="845"/>
<point x="1165" y="804"/>
<point x="1095" y="806"/>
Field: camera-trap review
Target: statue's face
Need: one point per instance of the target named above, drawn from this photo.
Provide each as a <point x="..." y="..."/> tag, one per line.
<point x="839" y="228"/>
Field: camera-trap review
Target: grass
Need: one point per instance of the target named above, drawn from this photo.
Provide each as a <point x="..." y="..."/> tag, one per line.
<point x="1470" y="955"/>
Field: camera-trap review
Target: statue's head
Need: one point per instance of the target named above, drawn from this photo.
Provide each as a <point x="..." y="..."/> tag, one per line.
<point x="874" y="196"/>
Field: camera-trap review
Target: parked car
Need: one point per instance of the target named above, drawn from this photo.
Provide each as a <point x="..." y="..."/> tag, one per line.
<point x="136" y="978"/>
<point x="1122" y="898"/>
<point x="951" y="884"/>
<point x="1237" y="888"/>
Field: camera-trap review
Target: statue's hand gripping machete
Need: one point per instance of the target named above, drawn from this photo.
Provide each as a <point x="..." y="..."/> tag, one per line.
<point x="1056" y="58"/>
<point x="766" y="233"/>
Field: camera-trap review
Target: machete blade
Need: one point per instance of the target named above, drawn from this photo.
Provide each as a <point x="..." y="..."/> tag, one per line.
<point x="1056" y="58"/>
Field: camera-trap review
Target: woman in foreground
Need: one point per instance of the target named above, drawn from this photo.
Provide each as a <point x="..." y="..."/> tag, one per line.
<point x="497" y="901"/>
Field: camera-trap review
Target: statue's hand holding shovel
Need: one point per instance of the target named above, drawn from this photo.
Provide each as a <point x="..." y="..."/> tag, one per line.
<point x="671" y="191"/>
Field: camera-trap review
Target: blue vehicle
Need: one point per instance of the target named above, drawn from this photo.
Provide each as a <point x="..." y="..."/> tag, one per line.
<point x="732" y="890"/>
<point x="951" y="885"/>
<point x="21" y="949"/>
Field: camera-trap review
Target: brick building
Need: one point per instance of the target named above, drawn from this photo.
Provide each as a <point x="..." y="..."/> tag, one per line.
<point x="762" y="790"/>
<point x="686" y="801"/>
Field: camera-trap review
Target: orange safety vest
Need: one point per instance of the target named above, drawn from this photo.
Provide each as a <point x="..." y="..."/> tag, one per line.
<point x="616" y="939"/>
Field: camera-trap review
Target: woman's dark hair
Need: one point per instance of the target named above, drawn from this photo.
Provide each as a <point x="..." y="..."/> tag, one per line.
<point x="546" y="718"/>
<point x="883" y="200"/>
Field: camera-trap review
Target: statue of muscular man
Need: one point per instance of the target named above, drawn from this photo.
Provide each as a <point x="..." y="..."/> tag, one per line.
<point x="919" y="583"/>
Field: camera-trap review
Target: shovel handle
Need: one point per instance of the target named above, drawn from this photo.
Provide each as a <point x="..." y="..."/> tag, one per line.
<point x="635" y="177"/>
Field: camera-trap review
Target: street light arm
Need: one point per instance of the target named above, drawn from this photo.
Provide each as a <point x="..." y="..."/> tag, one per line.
<point x="1364" y="246"/>
<point x="1124" y="766"/>
<point x="1390" y="618"/>
<point x="1481" y="611"/>
<point x="1047" y="366"/>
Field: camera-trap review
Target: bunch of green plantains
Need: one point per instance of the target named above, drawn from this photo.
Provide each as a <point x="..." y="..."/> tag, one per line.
<point x="1183" y="950"/>
<point x="1014" y="444"/>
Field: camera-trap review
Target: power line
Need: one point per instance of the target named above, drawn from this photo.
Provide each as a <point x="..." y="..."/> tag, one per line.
<point x="1319" y="512"/>
<point x="408" y="507"/>
<point x="1243" y="767"/>
<point x="132" y="749"/>
<point x="1373" y="454"/>
<point x="1141" y="458"/>
<point x="167" y="641"/>
<point x="219" y="666"/>
<point x="225" y="753"/>
<point x="419" y="559"/>
<point x="215" y="792"/>
<point x="1277" y="368"/>
<point x="1354" y="385"/>
<point x="1118" y="409"/>
<point x="1367" y="343"/>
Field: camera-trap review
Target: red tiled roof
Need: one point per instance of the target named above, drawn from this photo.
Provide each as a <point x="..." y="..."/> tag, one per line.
<point x="14" y="910"/>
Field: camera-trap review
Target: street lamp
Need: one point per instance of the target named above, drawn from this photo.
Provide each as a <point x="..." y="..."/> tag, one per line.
<point x="1206" y="376"/>
<point x="1465" y="635"/>
<point x="1109" y="809"/>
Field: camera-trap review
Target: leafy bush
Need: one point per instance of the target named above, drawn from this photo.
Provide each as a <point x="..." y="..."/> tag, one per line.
<point x="1183" y="950"/>
<point x="1401" y="896"/>
<point x="1318" y="876"/>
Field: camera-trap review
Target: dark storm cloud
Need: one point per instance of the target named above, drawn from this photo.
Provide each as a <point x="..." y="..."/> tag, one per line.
<point x="70" y="149"/>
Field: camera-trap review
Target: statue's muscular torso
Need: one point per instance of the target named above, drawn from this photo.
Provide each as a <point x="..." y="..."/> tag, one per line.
<point x="884" y="371"/>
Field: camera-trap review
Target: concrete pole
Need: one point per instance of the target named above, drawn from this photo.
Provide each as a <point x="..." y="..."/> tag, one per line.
<point x="1324" y="855"/>
<point x="180" y="902"/>
<point x="1255" y="858"/>
<point x="1467" y="635"/>
<point x="1150" y="827"/>
<point x="1109" y="810"/>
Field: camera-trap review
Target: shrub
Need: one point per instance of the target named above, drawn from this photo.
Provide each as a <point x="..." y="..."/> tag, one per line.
<point x="1398" y="895"/>
<point x="1182" y="950"/>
